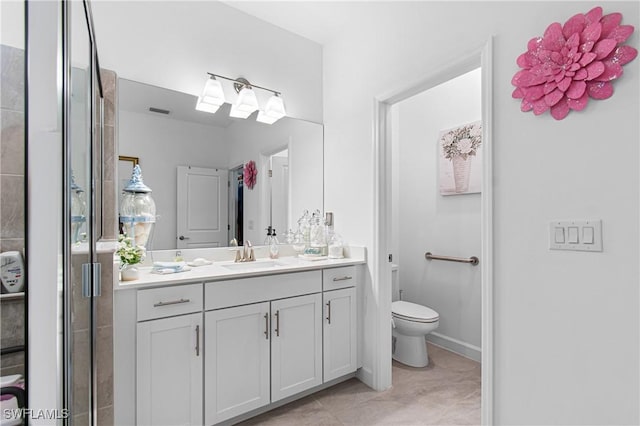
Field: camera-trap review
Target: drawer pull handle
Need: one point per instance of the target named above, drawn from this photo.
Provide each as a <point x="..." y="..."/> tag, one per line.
<point x="278" y="323"/>
<point x="346" y="277"/>
<point x="329" y="312"/>
<point x="266" y="326"/>
<point x="197" y="340"/>
<point x="173" y="302"/>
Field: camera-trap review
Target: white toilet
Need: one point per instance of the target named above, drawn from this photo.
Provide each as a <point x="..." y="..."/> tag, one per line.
<point x="411" y="323"/>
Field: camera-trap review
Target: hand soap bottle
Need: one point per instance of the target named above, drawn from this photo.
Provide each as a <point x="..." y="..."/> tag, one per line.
<point x="273" y="245"/>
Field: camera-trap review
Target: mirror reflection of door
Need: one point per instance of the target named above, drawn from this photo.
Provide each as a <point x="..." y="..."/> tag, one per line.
<point x="279" y="188"/>
<point x="236" y="187"/>
<point x="202" y="207"/>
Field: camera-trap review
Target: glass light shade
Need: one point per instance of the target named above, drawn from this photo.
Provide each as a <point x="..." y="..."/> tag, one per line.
<point x="213" y="93"/>
<point x="273" y="112"/>
<point x="246" y="104"/>
<point x="206" y="107"/>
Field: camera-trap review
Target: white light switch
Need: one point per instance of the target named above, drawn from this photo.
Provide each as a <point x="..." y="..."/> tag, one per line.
<point x="559" y="235"/>
<point x="573" y="235"/>
<point x="576" y="235"/>
<point x="587" y="235"/>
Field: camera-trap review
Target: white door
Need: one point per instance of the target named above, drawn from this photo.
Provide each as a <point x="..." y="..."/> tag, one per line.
<point x="280" y="195"/>
<point x="169" y="371"/>
<point x="237" y="361"/>
<point x="340" y="345"/>
<point x="296" y="345"/>
<point x="202" y="207"/>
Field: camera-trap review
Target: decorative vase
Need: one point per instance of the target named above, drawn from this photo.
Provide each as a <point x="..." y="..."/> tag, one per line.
<point x="461" y="173"/>
<point x="129" y="273"/>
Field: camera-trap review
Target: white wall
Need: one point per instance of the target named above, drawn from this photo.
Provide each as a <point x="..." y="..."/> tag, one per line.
<point x="566" y="324"/>
<point x="163" y="144"/>
<point x="173" y="44"/>
<point x="12" y="19"/>
<point x="445" y="225"/>
<point x="257" y="141"/>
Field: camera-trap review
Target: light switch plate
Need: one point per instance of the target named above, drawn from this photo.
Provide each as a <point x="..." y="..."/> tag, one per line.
<point x="591" y="229"/>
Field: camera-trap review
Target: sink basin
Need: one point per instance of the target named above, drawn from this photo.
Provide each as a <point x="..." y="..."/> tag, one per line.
<point x="250" y="266"/>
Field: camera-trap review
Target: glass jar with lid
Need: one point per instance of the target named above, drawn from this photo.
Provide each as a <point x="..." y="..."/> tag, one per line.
<point x="137" y="210"/>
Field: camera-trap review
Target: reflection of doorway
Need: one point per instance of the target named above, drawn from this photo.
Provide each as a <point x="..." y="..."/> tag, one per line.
<point x="236" y="186"/>
<point x="279" y="188"/>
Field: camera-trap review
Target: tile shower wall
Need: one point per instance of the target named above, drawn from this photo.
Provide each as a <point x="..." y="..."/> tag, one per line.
<point x="110" y="157"/>
<point x="12" y="214"/>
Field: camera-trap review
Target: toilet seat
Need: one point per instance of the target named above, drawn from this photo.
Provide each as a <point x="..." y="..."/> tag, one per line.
<point x="413" y="312"/>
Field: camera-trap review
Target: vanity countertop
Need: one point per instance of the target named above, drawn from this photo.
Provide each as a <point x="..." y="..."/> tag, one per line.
<point x="228" y="269"/>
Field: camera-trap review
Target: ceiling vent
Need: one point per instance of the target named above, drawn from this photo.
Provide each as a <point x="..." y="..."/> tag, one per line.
<point x="159" y="110"/>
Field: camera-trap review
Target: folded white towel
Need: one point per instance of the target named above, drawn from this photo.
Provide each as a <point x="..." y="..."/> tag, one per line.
<point x="169" y="265"/>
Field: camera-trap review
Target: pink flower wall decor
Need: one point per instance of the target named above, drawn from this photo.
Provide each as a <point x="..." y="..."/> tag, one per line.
<point x="573" y="62"/>
<point x="250" y="174"/>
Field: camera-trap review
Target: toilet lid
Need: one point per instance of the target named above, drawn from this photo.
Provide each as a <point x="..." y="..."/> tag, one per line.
<point x="413" y="312"/>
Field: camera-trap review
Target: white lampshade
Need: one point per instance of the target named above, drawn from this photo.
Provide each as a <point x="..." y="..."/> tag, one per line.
<point x="213" y="93"/>
<point x="273" y="112"/>
<point x="246" y="104"/>
<point x="201" y="105"/>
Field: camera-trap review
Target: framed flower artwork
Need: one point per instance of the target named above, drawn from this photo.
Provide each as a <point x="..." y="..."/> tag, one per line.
<point x="460" y="159"/>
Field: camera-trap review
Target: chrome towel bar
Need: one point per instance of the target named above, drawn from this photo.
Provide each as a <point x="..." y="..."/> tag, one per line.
<point x="472" y="260"/>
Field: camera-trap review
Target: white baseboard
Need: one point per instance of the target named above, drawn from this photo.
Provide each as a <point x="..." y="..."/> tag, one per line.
<point x="467" y="350"/>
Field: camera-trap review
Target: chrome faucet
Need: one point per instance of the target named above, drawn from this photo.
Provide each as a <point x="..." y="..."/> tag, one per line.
<point x="245" y="254"/>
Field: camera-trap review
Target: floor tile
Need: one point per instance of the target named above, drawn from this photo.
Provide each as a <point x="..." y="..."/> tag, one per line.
<point x="446" y="392"/>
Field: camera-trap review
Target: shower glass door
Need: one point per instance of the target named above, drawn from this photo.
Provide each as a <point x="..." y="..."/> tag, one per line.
<point x="82" y="283"/>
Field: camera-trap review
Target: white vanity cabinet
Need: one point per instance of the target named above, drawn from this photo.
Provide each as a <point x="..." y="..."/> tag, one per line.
<point x="262" y="352"/>
<point x="169" y="352"/>
<point x="190" y="353"/>
<point x="169" y="371"/>
<point x="339" y="322"/>
<point x="237" y="376"/>
<point x="296" y="345"/>
<point x="339" y="339"/>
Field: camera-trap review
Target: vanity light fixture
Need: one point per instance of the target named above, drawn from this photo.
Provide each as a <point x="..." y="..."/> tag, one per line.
<point x="247" y="102"/>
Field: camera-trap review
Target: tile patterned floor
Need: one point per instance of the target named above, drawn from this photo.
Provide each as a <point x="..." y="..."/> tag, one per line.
<point x="447" y="392"/>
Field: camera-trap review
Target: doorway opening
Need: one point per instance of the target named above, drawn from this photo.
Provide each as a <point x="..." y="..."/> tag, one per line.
<point x="236" y="187"/>
<point x="418" y="180"/>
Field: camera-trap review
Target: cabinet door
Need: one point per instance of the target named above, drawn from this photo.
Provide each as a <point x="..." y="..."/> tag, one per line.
<point x="169" y="371"/>
<point x="340" y="344"/>
<point x="237" y="361"/>
<point x="296" y="346"/>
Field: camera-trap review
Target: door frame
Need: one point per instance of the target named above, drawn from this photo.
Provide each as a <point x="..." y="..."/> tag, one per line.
<point x="481" y="56"/>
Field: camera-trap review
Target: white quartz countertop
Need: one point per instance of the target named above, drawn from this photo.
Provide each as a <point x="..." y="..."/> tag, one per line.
<point x="228" y="269"/>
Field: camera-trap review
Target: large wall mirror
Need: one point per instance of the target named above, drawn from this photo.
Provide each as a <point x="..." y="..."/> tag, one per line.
<point x="188" y="156"/>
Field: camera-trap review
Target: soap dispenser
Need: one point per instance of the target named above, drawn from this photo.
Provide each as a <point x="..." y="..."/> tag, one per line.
<point x="267" y="241"/>
<point x="273" y="246"/>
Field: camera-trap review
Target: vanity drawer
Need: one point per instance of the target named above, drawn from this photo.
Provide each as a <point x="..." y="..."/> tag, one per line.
<point x="243" y="291"/>
<point x="169" y="301"/>
<point x="336" y="278"/>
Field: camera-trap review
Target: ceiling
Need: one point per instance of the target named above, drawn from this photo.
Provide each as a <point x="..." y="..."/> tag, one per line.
<point x="318" y="21"/>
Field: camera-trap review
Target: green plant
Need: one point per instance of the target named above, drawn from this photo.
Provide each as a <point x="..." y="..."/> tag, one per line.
<point x="128" y="253"/>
